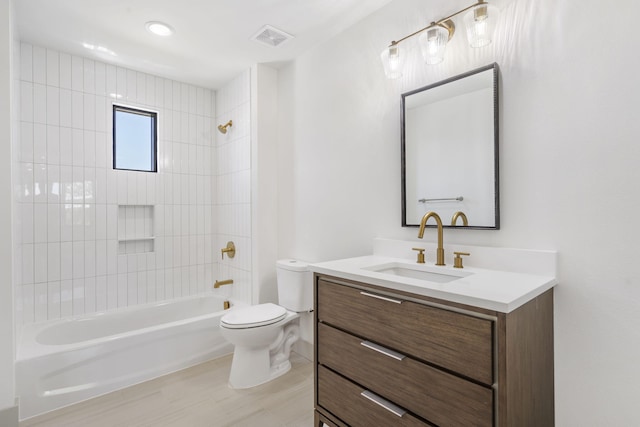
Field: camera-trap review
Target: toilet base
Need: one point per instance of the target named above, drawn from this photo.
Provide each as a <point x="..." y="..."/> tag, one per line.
<point x="253" y="366"/>
<point x="243" y="377"/>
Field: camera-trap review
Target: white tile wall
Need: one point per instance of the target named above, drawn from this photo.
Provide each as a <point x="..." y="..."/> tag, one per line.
<point x="21" y="148"/>
<point x="232" y="189"/>
<point x="68" y="193"/>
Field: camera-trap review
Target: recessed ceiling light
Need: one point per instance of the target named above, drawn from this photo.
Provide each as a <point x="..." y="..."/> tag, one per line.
<point x="159" y="28"/>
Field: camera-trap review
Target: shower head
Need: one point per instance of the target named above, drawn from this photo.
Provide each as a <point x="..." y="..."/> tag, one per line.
<point x="223" y="128"/>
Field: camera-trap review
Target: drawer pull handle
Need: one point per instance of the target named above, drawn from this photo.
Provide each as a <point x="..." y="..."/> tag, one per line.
<point x="380" y="349"/>
<point x="367" y="294"/>
<point x="394" y="409"/>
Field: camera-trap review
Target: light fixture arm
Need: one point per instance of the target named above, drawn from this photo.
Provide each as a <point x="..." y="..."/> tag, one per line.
<point x="479" y="20"/>
<point x="461" y="11"/>
<point x="442" y="23"/>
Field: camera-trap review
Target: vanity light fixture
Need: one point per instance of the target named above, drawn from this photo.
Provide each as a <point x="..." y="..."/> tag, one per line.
<point x="159" y="28"/>
<point x="479" y="20"/>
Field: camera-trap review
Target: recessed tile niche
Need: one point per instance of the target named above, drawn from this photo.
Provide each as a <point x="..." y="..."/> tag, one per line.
<point x="135" y="229"/>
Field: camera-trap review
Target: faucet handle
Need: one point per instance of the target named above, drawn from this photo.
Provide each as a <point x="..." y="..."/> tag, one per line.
<point x="457" y="261"/>
<point x="420" y="255"/>
<point x="230" y="250"/>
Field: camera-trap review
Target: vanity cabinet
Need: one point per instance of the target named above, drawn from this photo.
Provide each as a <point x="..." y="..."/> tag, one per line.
<point x="386" y="357"/>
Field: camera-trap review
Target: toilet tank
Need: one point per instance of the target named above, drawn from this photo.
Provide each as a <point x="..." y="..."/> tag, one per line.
<point x="295" y="285"/>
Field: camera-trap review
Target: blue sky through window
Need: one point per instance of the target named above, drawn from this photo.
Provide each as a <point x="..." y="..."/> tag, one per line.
<point x="134" y="140"/>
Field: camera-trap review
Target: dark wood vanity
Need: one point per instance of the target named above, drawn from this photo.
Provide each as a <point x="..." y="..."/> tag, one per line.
<point x="385" y="357"/>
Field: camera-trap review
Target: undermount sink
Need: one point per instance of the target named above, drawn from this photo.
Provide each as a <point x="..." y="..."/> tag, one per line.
<point x="417" y="272"/>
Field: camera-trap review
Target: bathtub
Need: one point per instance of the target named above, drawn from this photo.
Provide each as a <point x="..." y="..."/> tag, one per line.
<point x="63" y="362"/>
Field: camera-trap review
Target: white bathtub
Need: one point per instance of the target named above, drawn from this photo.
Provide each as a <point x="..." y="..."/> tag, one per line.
<point x="67" y="361"/>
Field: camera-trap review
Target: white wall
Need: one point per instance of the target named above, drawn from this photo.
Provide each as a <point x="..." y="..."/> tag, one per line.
<point x="69" y="195"/>
<point x="7" y="125"/>
<point x="569" y="157"/>
<point x="264" y="166"/>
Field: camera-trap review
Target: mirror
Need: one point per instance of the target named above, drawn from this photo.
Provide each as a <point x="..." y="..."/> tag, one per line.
<point x="450" y="150"/>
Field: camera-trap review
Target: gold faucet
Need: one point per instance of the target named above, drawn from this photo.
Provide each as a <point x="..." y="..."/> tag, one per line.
<point x="222" y="283"/>
<point x="457" y="215"/>
<point x="423" y="223"/>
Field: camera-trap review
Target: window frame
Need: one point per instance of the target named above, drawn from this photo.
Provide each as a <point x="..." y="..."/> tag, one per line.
<point x="154" y="137"/>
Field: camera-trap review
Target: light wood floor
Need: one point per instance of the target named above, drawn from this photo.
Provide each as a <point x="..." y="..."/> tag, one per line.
<point x="194" y="397"/>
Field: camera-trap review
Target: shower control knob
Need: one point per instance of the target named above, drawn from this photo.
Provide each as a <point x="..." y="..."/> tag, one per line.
<point x="230" y="250"/>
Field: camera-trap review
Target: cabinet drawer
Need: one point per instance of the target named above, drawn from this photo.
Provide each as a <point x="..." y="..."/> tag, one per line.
<point x="451" y="340"/>
<point x="437" y="396"/>
<point x="344" y="399"/>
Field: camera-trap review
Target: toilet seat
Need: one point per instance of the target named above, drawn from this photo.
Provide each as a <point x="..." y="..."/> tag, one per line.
<point x="254" y="316"/>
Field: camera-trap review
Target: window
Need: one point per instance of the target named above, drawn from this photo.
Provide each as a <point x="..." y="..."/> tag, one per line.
<point x="135" y="139"/>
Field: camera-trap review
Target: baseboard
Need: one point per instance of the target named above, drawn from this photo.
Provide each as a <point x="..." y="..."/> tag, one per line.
<point x="304" y="349"/>
<point x="9" y="416"/>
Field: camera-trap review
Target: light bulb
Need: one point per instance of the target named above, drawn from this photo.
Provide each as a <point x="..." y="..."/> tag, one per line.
<point x="433" y="43"/>
<point x="159" y="28"/>
<point x="392" y="61"/>
<point x="480" y="22"/>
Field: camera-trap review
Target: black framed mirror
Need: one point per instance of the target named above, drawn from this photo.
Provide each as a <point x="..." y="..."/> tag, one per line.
<point x="449" y="150"/>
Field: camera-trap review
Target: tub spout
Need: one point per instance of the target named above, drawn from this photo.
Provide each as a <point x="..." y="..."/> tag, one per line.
<point x="222" y="283"/>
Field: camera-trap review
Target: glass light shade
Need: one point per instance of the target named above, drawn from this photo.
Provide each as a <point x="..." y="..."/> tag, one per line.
<point x="392" y="61"/>
<point x="480" y="22"/>
<point x="433" y="43"/>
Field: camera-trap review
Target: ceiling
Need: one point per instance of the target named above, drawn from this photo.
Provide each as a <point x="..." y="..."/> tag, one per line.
<point x="212" y="41"/>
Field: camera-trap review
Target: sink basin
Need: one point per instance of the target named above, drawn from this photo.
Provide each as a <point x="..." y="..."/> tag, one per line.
<point x="429" y="274"/>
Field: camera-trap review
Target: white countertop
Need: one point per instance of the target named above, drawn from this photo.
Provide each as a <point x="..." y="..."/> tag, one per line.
<point x="502" y="291"/>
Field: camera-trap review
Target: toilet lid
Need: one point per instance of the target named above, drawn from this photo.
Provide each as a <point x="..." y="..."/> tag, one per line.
<point x="254" y="316"/>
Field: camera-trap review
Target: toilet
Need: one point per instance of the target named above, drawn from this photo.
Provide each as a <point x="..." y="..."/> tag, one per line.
<point x="263" y="334"/>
